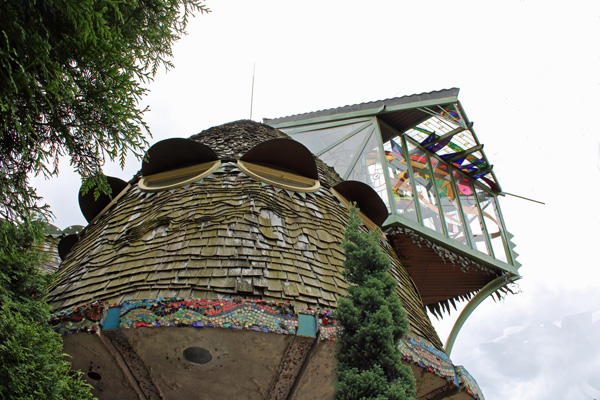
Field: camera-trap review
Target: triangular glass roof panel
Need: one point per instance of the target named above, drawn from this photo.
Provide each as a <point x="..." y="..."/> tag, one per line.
<point x="320" y="137"/>
<point x="344" y="155"/>
<point x="368" y="169"/>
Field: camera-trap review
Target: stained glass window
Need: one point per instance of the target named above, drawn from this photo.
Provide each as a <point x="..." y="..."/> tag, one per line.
<point x="400" y="179"/>
<point x="438" y="173"/>
<point x="446" y="134"/>
<point x="493" y="223"/>
<point x="449" y="203"/>
<point x="468" y="202"/>
<point x="425" y="190"/>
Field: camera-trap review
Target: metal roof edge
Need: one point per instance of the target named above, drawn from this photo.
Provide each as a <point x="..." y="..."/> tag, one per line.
<point x="370" y="108"/>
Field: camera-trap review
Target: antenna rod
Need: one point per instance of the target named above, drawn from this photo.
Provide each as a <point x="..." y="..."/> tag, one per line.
<point x="252" y="94"/>
<point x="524" y="198"/>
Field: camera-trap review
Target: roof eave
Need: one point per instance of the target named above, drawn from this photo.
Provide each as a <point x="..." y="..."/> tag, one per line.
<point x="484" y="259"/>
<point x="444" y="96"/>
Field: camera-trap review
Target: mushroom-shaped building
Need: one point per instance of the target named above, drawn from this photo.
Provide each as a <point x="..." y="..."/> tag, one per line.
<point x="237" y="229"/>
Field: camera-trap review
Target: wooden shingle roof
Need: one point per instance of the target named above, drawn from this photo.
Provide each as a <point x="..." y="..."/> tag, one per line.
<point x="224" y="236"/>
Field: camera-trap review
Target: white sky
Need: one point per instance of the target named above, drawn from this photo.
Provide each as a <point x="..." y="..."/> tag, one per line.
<point x="529" y="78"/>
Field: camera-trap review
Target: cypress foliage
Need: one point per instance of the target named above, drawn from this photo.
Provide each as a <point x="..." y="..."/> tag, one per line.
<point x="373" y="322"/>
<point x="31" y="360"/>
<point x="73" y="77"/>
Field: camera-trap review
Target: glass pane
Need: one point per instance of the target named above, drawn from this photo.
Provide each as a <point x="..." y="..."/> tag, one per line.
<point x="492" y="223"/>
<point x="369" y="170"/>
<point x="424" y="183"/>
<point x="400" y="179"/>
<point x="438" y="125"/>
<point x="468" y="203"/>
<point x="340" y="156"/>
<point x="449" y="202"/>
<point x="462" y="141"/>
<point x="471" y="162"/>
<point x="317" y="140"/>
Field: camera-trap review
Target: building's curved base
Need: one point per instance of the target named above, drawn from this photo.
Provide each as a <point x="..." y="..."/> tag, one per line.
<point x="165" y="349"/>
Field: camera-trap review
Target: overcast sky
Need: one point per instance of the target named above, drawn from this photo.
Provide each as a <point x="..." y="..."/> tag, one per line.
<point x="529" y="78"/>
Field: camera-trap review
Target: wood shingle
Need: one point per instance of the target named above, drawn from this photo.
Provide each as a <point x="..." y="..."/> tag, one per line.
<point x="226" y="235"/>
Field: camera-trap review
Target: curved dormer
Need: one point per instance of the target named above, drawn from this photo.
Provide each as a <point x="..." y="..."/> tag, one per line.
<point x="367" y="200"/>
<point x="176" y="162"/>
<point x="283" y="163"/>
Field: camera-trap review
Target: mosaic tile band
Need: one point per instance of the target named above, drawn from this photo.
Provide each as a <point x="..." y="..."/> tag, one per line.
<point x="429" y="358"/>
<point x="79" y="319"/>
<point x="468" y="382"/>
<point x="256" y="315"/>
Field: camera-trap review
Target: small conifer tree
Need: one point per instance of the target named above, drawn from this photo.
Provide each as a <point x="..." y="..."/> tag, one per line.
<point x="372" y="321"/>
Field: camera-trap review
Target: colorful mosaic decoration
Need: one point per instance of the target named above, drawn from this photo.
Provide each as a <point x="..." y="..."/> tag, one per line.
<point x="468" y="382"/>
<point x="258" y="315"/>
<point x="327" y="325"/>
<point x="248" y="314"/>
<point x="79" y="319"/>
<point x="427" y="357"/>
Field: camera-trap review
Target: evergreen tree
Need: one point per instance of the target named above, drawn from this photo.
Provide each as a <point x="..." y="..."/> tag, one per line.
<point x="31" y="360"/>
<point x="372" y="321"/>
<point x="72" y="75"/>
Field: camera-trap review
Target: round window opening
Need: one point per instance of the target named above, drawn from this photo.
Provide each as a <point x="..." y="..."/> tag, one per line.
<point x="197" y="355"/>
<point x="279" y="178"/>
<point x="177" y="178"/>
<point x="94" y="375"/>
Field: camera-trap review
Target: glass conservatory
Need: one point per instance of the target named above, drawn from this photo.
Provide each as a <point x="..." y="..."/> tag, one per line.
<point x="422" y="156"/>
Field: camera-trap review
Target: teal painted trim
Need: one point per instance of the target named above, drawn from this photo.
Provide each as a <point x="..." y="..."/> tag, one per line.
<point x="307" y="325"/>
<point x="385" y="170"/>
<point x="406" y="155"/>
<point x="437" y="157"/>
<point x="329" y="118"/>
<point x="436" y="193"/>
<point x="461" y="110"/>
<point x="360" y="151"/>
<point x="112" y="319"/>
<point x="348" y="136"/>
<point x="448" y="135"/>
<point x="326" y="125"/>
<point x="475" y="181"/>
<point x="465" y="153"/>
<point x="509" y="253"/>
<point x="452" y="245"/>
<point x="512" y="246"/>
<point x="488" y="239"/>
<point x="461" y="211"/>
<point x="391" y="128"/>
<point x="486" y="291"/>
<point x="452" y="167"/>
<point x="411" y="175"/>
<point x="487" y="169"/>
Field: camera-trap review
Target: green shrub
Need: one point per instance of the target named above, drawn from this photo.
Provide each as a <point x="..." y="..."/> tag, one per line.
<point x="372" y="321"/>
